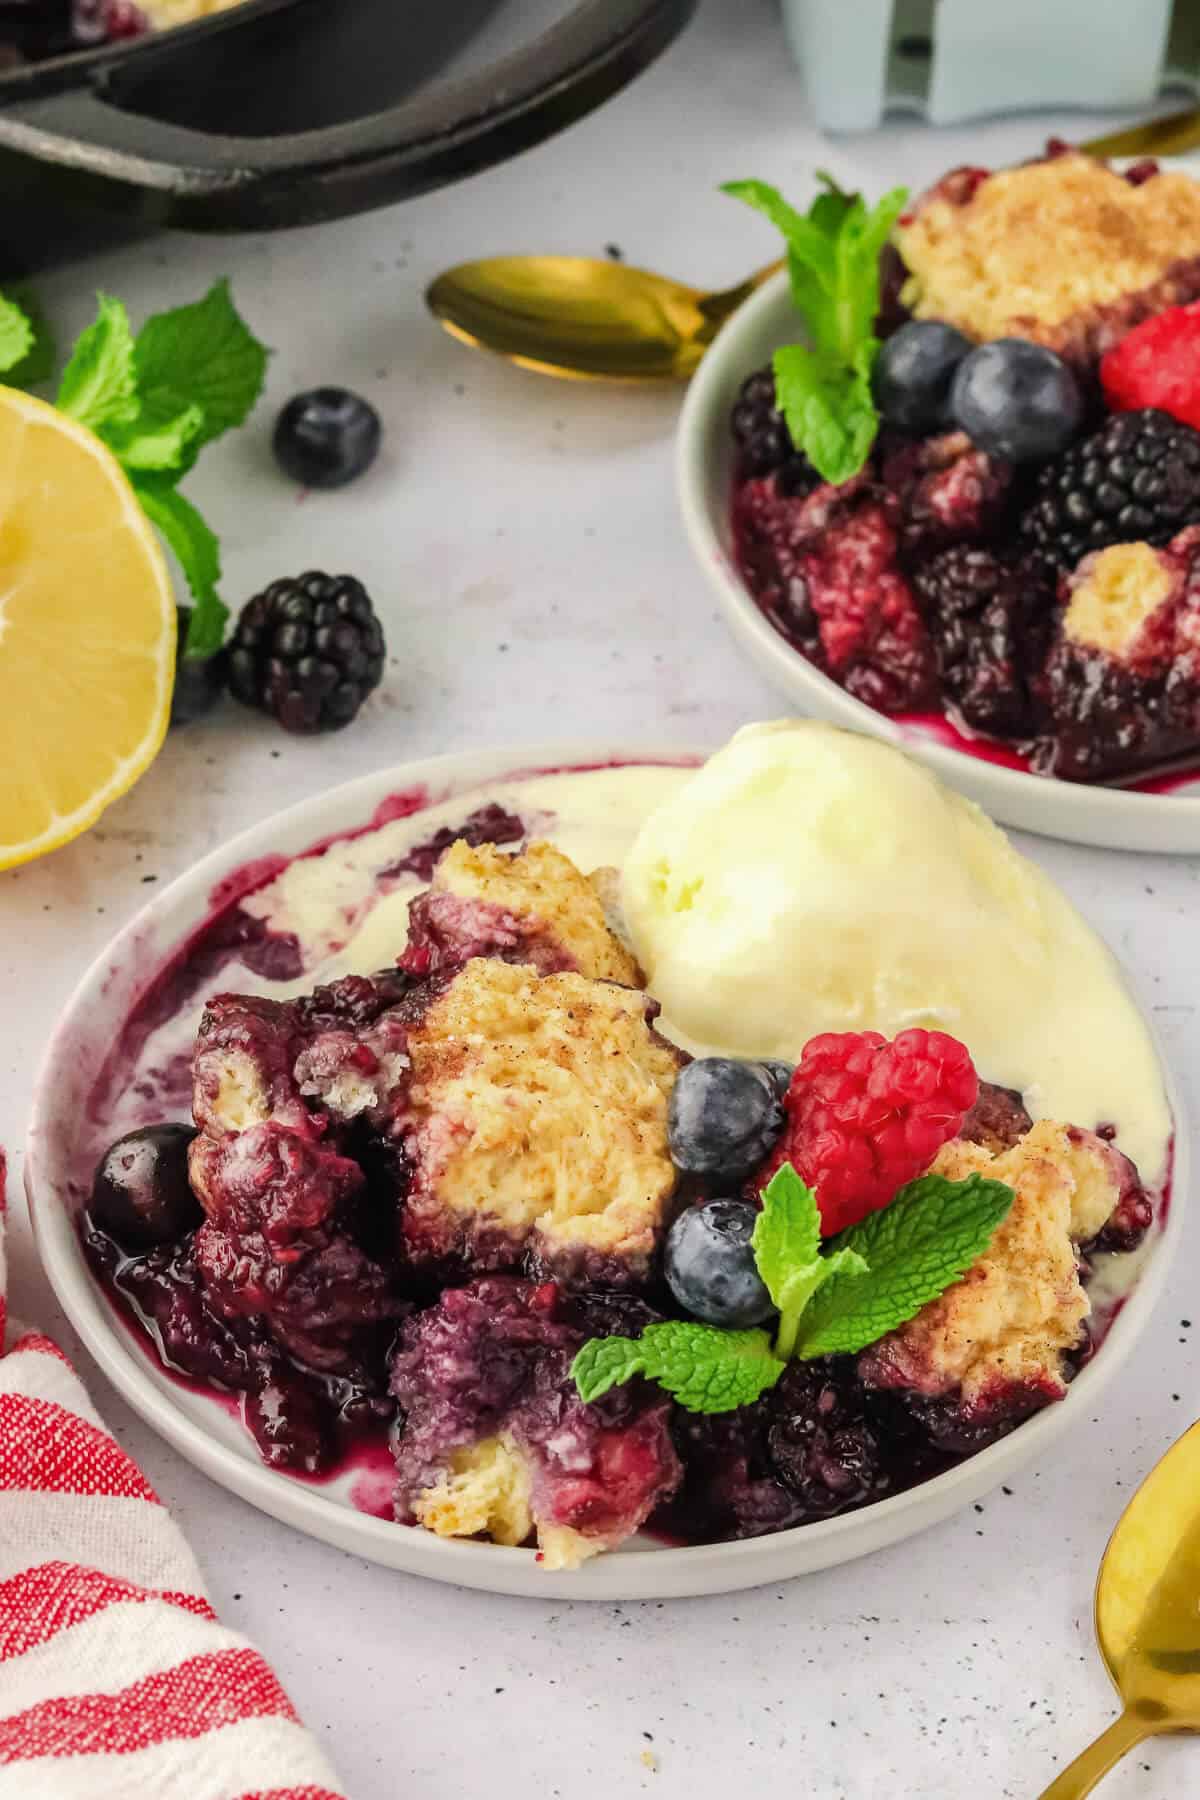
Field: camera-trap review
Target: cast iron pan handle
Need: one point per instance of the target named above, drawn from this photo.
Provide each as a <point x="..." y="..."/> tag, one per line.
<point x="166" y="173"/>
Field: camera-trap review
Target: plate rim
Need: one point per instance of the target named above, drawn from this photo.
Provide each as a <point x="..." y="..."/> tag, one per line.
<point x="1103" y="816"/>
<point x="669" y="1572"/>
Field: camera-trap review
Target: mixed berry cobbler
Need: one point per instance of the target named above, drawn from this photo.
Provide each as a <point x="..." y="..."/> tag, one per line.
<point x="414" y="1204"/>
<point x="1015" y="551"/>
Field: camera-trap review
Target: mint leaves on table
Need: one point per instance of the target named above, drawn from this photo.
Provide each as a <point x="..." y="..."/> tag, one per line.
<point x="831" y="1300"/>
<point x="156" y="399"/>
<point x="833" y="250"/>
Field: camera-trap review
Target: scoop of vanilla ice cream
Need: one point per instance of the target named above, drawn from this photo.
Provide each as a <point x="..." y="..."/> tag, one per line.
<point x="809" y="879"/>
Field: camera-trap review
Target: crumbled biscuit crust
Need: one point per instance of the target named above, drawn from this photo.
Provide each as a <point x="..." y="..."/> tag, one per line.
<point x="536" y="1114"/>
<point x="540" y="882"/>
<point x="1050" y="249"/>
<point x="1020" y="1308"/>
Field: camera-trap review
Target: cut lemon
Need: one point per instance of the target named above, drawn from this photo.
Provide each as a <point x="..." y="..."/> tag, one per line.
<point x="87" y="630"/>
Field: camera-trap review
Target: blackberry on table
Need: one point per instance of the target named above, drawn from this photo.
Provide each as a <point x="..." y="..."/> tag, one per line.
<point x="1136" y="480"/>
<point x="990" y="622"/>
<point x="764" y="442"/>
<point x="308" y="651"/>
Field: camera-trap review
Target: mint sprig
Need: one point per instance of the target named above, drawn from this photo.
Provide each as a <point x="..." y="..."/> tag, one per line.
<point x="915" y="1248"/>
<point x="787" y="1251"/>
<point x="706" y="1369"/>
<point x="824" y="389"/>
<point x="833" y="1298"/>
<point x="156" y="399"/>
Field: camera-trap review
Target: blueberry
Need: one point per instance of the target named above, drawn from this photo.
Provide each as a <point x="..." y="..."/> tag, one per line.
<point x="199" y="680"/>
<point x="780" y="1072"/>
<point x="140" y="1192"/>
<point x="710" y="1265"/>
<point x="1016" y="400"/>
<point x="724" y="1117"/>
<point x="913" y="373"/>
<point x="327" y="437"/>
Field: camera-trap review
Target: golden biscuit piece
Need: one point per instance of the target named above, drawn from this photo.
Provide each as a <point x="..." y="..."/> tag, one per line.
<point x="1018" y="1309"/>
<point x="536" y="905"/>
<point x="1063" y="251"/>
<point x="535" y="1120"/>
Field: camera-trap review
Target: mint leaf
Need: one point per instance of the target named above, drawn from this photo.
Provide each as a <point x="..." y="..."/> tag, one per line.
<point x="915" y="1248"/>
<point x="787" y="1252"/>
<point x="787" y="1232"/>
<point x="829" y="410"/>
<point x="97" y="385"/>
<point x="16" y="335"/>
<point x="201" y="355"/>
<point x="37" y="364"/>
<point x="824" y="388"/>
<point x="142" y="444"/>
<point x="706" y="1369"/>
<point x="860" y="243"/>
<point x="198" y="554"/>
<point x="605" y="1363"/>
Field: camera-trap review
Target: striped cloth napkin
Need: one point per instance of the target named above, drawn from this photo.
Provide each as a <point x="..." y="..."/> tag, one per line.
<point x="117" y="1682"/>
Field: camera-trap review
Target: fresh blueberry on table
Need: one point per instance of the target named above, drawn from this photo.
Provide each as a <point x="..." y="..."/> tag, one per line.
<point x="723" y="1118"/>
<point x="140" y="1191"/>
<point x="710" y="1266"/>
<point x="199" y="680"/>
<point x="327" y="437"/>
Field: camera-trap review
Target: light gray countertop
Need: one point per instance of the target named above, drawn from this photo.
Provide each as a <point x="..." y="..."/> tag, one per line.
<point x="520" y="539"/>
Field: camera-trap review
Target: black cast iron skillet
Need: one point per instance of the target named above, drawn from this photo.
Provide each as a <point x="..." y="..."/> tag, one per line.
<point x="286" y="112"/>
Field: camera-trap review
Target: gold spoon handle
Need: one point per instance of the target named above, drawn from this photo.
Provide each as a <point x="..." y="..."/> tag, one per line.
<point x="1099" y="1758"/>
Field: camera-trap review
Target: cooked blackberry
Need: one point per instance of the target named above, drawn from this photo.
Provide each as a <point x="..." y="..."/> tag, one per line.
<point x="990" y="621"/>
<point x="820" y="1442"/>
<point x="308" y="651"/>
<point x="949" y="491"/>
<point x="1135" y="480"/>
<point x="1120" y="686"/>
<point x="826" y="571"/>
<point x="764" y="442"/>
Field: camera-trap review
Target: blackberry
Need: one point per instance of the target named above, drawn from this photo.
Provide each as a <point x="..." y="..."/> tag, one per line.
<point x="990" y="623"/>
<point x="1137" y="480"/>
<point x="764" y="442"/>
<point x="820" y="1442"/>
<point x="308" y="650"/>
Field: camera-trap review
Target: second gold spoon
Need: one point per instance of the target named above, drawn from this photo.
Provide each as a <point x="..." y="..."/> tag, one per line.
<point x="1148" y="1616"/>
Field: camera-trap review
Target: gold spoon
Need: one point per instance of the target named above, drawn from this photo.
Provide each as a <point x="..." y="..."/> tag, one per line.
<point x="582" y="318"/>
<point x="1148" y="1616"/>
<point x="589" y="320"/>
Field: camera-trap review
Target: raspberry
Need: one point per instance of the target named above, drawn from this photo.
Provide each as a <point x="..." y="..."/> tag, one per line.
<point x="865" y="1116"/>
<point x="1158" y="364"/>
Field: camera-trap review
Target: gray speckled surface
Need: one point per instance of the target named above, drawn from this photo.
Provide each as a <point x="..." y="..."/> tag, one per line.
<point x="521" y="541"/>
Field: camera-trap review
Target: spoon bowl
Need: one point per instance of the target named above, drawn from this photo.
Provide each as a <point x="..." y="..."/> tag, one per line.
<point x="1148" y="1616"/>
<point x="582" y="318"/>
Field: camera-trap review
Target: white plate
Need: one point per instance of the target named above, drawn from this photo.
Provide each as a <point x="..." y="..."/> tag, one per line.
<point x="201" y="1429"/>
<point x="1113" y="818"/>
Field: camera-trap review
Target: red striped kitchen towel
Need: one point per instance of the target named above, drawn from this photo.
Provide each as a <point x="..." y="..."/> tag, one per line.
<point x="117" y="1682"/>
